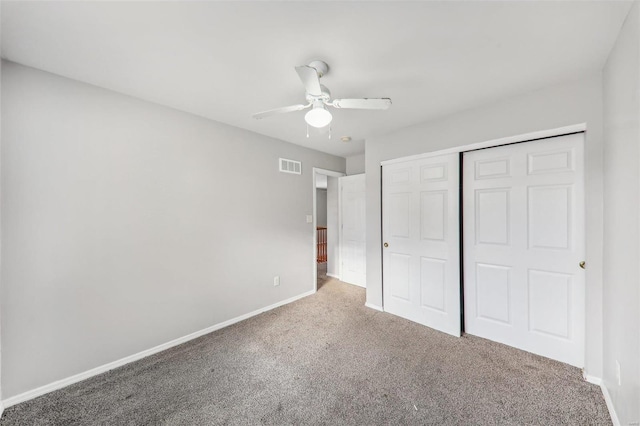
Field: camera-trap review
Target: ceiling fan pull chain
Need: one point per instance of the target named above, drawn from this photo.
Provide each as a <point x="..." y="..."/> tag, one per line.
<point x="330" y="128"/>
<point x="307" y="131"/>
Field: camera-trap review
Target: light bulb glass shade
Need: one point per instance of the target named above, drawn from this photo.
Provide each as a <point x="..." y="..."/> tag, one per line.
<point x="318" y="117"/>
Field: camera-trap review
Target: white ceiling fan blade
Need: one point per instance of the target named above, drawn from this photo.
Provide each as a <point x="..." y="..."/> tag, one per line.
<point x="382" y="103"/>
<point x="282" y="110"/>
<point x="310" y="79"/>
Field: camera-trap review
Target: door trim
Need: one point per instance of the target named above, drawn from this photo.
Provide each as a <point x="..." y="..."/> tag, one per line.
<point x="559" y="131"/>
<point x="331" y="173"/>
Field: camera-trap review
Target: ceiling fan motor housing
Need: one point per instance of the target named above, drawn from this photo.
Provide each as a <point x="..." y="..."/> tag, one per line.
<point x="325" y="96"/>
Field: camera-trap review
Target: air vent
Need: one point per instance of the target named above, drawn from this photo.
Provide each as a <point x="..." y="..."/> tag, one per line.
<point x="290" y="166"/>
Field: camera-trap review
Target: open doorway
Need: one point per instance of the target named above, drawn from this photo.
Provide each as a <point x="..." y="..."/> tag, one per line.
<point x="322" y="238"/>
<point x="326" y="225"/>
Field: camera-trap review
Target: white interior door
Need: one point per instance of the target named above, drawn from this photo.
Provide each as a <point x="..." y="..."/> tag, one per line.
<point x="353" y="230"/>
<point x="421" y="259"/>
<point x="523" y="243"/>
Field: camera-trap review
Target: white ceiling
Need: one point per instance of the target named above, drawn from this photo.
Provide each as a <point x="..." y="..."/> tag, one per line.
<point x="227" y="60"/>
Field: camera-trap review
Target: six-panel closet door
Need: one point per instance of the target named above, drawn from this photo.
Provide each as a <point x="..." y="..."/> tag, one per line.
<point x="523" y="245"/>
<point x="421" y="272"/>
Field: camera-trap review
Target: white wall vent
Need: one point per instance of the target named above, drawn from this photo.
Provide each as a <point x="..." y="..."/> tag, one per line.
<point x="290" y="166"/>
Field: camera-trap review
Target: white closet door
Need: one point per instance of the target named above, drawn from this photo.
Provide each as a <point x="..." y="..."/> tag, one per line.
<point x="421" y="259"/>
<point x="523" y="244"/>
<point x="353" y="227"/>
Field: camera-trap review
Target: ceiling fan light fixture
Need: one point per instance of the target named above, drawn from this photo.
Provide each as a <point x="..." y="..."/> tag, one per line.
<point x="318" y="116"/>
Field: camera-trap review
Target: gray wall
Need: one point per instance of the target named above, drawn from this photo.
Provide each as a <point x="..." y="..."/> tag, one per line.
<point x="127" y="224"/>
<point x="621" y="220"/>
<point x="1" y="394"/>
<point x="321" y="207"/>
<point x="355" y="164"/>
<point x="333" y="252"/>
<point x="579" y="101"/>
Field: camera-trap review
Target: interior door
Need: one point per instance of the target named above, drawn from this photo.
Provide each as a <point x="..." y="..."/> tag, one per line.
<point x="523" y="244"/>
<point x="421" y="241"/>
<point x="353" y="230"/>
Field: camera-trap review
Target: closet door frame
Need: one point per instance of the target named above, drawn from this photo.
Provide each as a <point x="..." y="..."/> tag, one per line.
<point x="593" y="341"/>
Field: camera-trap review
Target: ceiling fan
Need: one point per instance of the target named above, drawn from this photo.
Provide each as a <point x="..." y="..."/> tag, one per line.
<point x="319" y="98"/>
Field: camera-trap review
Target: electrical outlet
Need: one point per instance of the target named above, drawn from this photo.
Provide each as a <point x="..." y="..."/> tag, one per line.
<point x="618" y="375"/>
<point x="276" y="281"/>
<point x="309" y="218"/>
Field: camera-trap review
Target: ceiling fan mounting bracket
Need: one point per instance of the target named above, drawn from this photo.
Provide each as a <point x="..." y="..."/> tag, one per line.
<point x="321" y="67"/>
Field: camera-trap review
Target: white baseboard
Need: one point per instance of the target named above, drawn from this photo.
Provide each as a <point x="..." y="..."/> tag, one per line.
<point x="607" y="397"/>
<point x="336" y="276"/>
<point x="592" y="379"/>
<point x="59" y="384"/>
<point x="612" y="410"/>
<point x="372" y="306"/>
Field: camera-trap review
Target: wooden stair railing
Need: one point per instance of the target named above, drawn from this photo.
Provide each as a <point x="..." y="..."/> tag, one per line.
<point x="322" y="244"/>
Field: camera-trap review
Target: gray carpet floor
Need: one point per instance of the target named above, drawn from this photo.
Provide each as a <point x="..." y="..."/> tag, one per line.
<point x="326" y="359"/>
